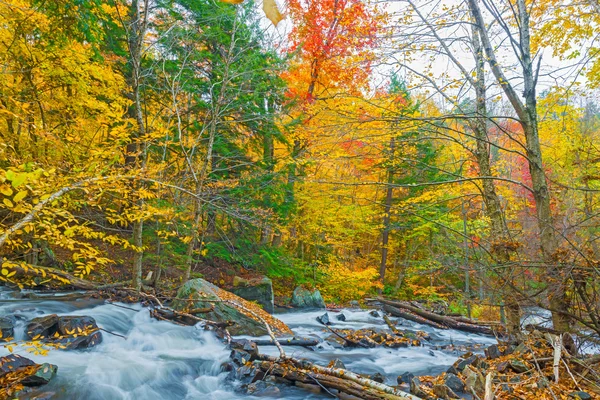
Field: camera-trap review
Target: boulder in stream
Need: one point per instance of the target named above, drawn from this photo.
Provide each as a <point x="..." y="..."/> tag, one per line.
<point x="259" y="290"/>
<point x="198" y="293"/>
<point x="17" y="372"/>
<point x="72" y="332"/>
<point x="304" y="298"/>
<point x="7" y="329"/>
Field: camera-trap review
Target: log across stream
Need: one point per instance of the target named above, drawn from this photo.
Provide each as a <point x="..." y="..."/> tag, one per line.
<point x="161" y="360"/>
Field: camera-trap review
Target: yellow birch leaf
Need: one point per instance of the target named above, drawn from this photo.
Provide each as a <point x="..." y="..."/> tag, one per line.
<point x="272" y="11"/>
<point x="20" y="196"/>
<point x="8" y="203"/>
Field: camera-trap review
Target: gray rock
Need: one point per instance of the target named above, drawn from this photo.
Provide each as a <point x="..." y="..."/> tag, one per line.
<point x="415" y="388"/>
<point x="36" y="376"/>
<point x="198" y="293"/>
<point x="492" y="352"/>
<point x="405" y="378"/>
<point x="454" y="383"/>
<point x="324" y="319"/>
<point x="245" y="345"/>
<point x="304" y="298"/>
<point x="75" y="324"/>
<point x="474" y="380"/>
<point x="263" y="389"/>
<point x="506" y="388"/>
<point x="444" y="392"/>
<point x="239" y="357"/>
<point x="354" y="303"/>
<point x="377" y="377"/>
<point x="340" y="317"/>
<point x="258" y="290"/>
<point x="461" y="364"/>
<point x="7" y="329"/>
<point x="518" y="366"/>
<point x="375" y="313"/>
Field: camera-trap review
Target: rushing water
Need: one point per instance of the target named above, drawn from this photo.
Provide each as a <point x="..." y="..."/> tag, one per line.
<point x="160" y="360"/>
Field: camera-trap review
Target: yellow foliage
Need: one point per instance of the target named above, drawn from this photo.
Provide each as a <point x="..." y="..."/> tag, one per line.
<point x="345" y="283"/>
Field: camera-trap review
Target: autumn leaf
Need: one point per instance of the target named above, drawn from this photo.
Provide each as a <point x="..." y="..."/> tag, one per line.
<point x="272" y="11"/>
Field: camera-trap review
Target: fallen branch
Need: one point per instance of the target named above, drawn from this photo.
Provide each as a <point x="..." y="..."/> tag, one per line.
<point x="411" y="317"/>
<point x="287" y="342"/>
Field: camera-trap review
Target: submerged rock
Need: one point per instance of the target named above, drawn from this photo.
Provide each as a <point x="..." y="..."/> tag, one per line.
<point x="258" y="290"/>
<point x="198" y="293"/>
<point x="341" y="317"/>
<point x="304" y="298"/>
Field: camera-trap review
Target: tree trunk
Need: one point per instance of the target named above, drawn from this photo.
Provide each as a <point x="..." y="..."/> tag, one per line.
<point x="527" y="113"/>
<point x="386" y="218"/>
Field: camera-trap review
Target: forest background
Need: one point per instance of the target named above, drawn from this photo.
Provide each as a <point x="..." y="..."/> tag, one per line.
<point x="423" y="150"/>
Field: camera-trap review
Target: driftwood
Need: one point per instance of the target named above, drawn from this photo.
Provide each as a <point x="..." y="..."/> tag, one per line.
<point x="423" y="316"/>
<point x="287" y="342"/>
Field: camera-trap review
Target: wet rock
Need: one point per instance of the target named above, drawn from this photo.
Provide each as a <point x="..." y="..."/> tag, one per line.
<point x="239" y="357"/>
<point x="492" y="352"/>
<point x="377" y="377"/>
<point x="304" y="298"/>
<point x="580" y="396"/>
<point x="259" y="290"/>
<point x="474" y="380"/>
<point x="81" y="342"/>
<point x="7" y="329"/>
<point x="263" y="389"/>
<point x="198" y="293"/>
<point x="13" y="362"/>
<point x="44" y="327"/>
<point x="444" y="392"/>
<point x="454" y="383"/>
<point x="415" y="388"/>
<point x="337" y="363"/>
<point x="24" y="371"/>
<point x="375" y="314"/>
<point x="340" y="317"/>
<point x="518" y="366"/>
<point x="72" y="332"/>
<point x="75" y="324"/>
<point x="452" y="370"/>
<point x="354" y="304"/>
<point x="405" y="378"/>
<point x="245" y="345"/>
<point x="42" y="376"/>
<point x="324" y="319"/>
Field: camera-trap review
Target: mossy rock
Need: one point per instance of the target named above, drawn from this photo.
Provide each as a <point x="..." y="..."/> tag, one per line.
<point x="198" y="293"/>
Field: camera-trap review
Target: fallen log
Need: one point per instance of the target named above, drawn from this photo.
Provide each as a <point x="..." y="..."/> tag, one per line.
<point x="434" y="319"/>
<point x="332" y="378"/>
<point x="287" y="342"/>
<point x="396" y="312"/>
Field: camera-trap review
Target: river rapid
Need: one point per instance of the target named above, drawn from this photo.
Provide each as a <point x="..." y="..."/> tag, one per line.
<point x="160" y="360"/>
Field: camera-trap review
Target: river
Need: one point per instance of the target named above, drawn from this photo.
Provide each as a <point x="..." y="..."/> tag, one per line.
<point x="160" y="360"/>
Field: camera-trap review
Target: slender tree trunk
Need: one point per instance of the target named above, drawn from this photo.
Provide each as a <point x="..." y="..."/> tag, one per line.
<point x="136" y="30"/>
<point x="387" y="214"/>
